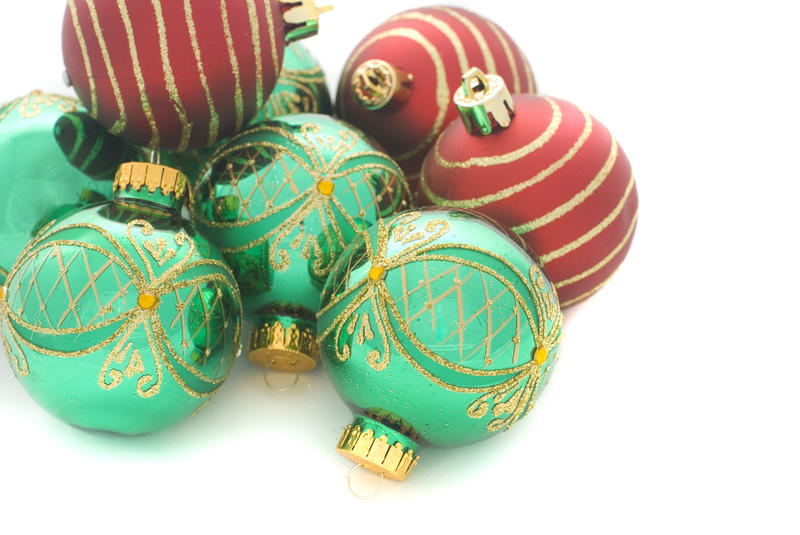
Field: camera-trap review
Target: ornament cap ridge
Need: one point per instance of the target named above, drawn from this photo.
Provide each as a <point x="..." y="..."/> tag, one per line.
<point x="287" y="348"/>
<point x="301" y="18"/>
<point x="393" y="461"/>
<point x="144" y="177"/>
<point x="484" y="102"/>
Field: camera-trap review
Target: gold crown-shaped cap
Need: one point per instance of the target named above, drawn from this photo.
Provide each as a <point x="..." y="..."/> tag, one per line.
<point x="153" y="177"/>
<point x="376" y="454"/>
<point x="292" y="348"/>
<point x="483" y="101"/>
<point x="301" y="18"/>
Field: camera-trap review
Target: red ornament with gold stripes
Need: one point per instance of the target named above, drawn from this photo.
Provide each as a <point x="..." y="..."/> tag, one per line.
<point x="544" y="168"/>
<point x="179" y="74"/>
<point x="397" y="83"/>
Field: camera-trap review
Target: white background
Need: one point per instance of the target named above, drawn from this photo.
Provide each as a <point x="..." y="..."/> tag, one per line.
<point x="674" y="408"/>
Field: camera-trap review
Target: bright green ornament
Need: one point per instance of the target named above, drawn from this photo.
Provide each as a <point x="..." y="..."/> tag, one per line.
<point x="301" y="87"/>
<point x="37" y="183"/>
<point x="120" y="317"/>
<point x="281" y="201"/>
<point x="436" y="327"/>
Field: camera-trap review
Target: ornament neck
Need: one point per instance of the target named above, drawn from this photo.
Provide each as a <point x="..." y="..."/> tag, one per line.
<point x="153" y="183"/>
<point x="377" y="85"/>
<point x="378" y="448"/>
<point x="300" y="18"/>
<point x="484" y="103"/>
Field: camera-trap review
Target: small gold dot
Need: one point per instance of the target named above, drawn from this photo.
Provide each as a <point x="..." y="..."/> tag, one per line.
<point x="540" y="356"/>
<point x="147" y="301"/>
<point x="325" y="187"/>
<point x="375" y="272"/>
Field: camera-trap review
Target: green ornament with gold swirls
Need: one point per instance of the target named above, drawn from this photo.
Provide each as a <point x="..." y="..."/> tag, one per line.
<point x="37" y="183"/>
<point x="437" y="328"/>
<point x="121" y="317"/>
<point x="281" y="201"/>
<point x="301" y="87"/>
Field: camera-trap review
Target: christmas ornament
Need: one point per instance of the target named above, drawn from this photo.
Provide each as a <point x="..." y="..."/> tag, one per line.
<point x="36" y="181"/>
<point x="550" y="171"/>
<point x="397" y="83"/>
<point x="282" y="200"/>
<point x="301" y="87"/>
<point x="121" y="317"/>
<point x="179" y="75"/>
<point x="89" y="147"/>
<point x="436" y="328"/>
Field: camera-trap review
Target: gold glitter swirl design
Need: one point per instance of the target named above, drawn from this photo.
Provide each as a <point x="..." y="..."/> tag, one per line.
<point x="333" y="172"/>
<point x="302" y="99"/>
<point x="373" y="312"/>
<point x="132" y="271"/>
<point x="30" y="106"/>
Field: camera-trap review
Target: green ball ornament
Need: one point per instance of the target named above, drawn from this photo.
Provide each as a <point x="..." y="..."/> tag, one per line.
<point x="436" y="327"/>
<point x="37" y="183"/>
<point x="121" y="317"/>
<point x="301" y="87"/>
<point x="281" y="201"/>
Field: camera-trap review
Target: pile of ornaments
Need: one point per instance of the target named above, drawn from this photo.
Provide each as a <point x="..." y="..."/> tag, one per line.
<point x="423" y="254"/>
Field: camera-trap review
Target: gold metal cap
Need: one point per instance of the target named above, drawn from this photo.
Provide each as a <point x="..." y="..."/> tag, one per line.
<point x="153" y="177"/>
<point x="301" y="18"/>
<point x="483" y="101"/>
<point x="375" y="454"/>
<point x="377" y="84"/>
<point x="288" y="349"/>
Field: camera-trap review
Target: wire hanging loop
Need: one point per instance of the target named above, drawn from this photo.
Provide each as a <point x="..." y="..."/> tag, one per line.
<point x="363" y="496"/>
<point x="283" y="388"/>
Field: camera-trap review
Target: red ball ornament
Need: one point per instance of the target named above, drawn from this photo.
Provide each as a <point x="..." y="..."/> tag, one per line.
<point x="179" y="74"/>
<point x="397" y="83"/>
<point x="548" y="170"/>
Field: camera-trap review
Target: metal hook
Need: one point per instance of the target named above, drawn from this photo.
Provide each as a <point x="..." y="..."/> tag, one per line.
<point x="285" y="388"/>
<point x="155" y="156"/>
<point x="362" y="496"/>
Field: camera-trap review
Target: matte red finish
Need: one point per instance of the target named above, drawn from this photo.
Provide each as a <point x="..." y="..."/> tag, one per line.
<point x="187" y="80"/>
<point x="436" y="45"/>
<point x="556" y="176"/>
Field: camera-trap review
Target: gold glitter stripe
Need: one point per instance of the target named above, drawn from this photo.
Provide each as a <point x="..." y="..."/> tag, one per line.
<point x="155" y="138"/>
<point x="87" y="65"/>
<point x="568" y="248"/>
<point x="509" y="54"/>
<point x="529" y="76"/>
<point x="516" y="188"/>
<point x="169" y="78"/>
<point x="272" y="38"/>
<point x="121" y="123"/>
<point x="488" y="58"/>
<point x="590" y="292"/>
<point x="234" y="65"/>
<point x="584" y="194"/>
<point x="255" y="33"/>
<point x="213" y="124"/>
<point x="443" y="27"/>
<point x="514" y="155"/>
<point x="600" y="265"/>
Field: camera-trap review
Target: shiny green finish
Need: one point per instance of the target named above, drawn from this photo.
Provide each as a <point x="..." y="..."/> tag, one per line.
<point x="439" y="344"/>
<point x="121" y="317"/>
<point x="301" y="87"/>
<point x="36" y="180"/>
<point x="261" y="200"/>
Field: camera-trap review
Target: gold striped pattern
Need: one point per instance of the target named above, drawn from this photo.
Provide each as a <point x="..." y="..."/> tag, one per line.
<point x="234" y="65"/>
<point x="121" y="123"/>
<point x="87" y="65"/>
<point x="155" y="139"/>
<point x="213" y="124"/>
<point x="488" y="58"/>
<point x="584" y="194"/>
<point x="604" y="262"/>
<point x="529" y="76"/>
<point x="509" y="54"/>
<point x="443" y="27"/>
<point x="169" y="78"/>
<point x="516" y="188"/>
<point x="514" y="155"/>
<point x="255" y="35"/>
<point x="272" y="39"/>
<point x="590" y="292"/>
<point x="568" y="248"/>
